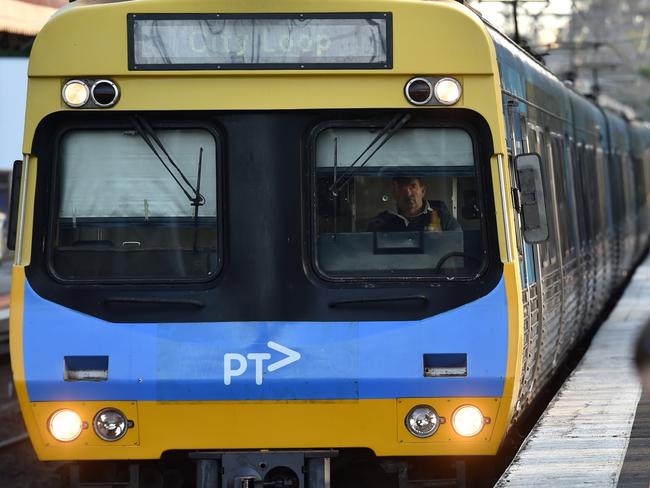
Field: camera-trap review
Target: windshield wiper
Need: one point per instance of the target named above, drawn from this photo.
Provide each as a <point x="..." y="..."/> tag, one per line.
<point x="384" y="135"/>
<point x="199" y="200"/>
<point x="196" y="203"/>
<point x="148" y="135"/>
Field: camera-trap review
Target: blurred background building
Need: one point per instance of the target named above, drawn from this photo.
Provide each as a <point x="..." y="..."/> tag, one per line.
<point x="600" y="45"/>
<point x="20" y="21"/>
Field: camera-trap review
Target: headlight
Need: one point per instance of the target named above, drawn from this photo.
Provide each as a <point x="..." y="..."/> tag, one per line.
<point x="104" y="93"/>
<point x="418" y="91"/>
<point x="110" y="424"/>
<point x="447" y="91"/>
<point x="467" y="420"/>
<point x="75" y="93"/>
<point x="422" y="421"/>
<point x="65" y="425"/>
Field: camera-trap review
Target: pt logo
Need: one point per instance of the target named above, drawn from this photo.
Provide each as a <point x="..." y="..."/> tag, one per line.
<point x="235" y="364"/>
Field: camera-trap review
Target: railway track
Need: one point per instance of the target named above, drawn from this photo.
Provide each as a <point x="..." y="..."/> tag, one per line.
<point x="12" y="430"/>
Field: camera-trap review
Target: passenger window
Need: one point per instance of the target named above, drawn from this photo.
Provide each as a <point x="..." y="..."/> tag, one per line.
<point x="563" y="211"/>
<point x="409" y="209"/>
<point x="123" y="214"/>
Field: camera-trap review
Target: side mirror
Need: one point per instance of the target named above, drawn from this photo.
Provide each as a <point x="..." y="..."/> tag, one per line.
<point x="14" y="204"/>
<point x="531" y="188"/>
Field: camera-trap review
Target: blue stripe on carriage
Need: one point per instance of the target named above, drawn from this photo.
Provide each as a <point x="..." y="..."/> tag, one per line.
<point x="338" y="360"/>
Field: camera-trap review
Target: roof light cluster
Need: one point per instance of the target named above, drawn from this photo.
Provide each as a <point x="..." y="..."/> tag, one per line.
<point x="424" y="90"/>
<point x="90" y="93"/>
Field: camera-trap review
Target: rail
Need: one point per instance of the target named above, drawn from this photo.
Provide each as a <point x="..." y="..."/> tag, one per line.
<point x="11" y="441"/>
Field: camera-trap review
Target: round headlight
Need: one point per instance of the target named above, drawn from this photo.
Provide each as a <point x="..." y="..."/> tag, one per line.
<point x="110" y="424"/>
<point x="468" y="421"/>
<point x="418" y="91"/>
<point x="448" y="91"/>
<point x="75" y="93"/>
<point x="65" y="425"/>
<point x="104" y="93"/>
<point x="422" y="421"/>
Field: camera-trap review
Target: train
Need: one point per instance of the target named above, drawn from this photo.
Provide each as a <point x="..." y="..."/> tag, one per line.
<point x="295" y="243"/>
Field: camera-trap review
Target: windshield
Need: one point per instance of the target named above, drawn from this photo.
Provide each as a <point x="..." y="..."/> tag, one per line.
<point x="411" y="210"/>
<point x="122" y="215"/>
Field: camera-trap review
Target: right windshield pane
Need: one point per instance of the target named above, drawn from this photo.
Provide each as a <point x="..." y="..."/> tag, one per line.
<point x="408" y="207"/>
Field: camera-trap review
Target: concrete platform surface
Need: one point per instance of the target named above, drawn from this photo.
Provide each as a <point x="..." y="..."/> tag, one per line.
<point x="583" y="436"/>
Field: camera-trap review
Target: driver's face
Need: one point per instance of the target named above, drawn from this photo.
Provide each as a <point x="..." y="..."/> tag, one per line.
<point x="409" y="195"/>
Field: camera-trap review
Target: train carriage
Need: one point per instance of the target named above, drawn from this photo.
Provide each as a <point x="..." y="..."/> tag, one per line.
<point x="215" y="271"/>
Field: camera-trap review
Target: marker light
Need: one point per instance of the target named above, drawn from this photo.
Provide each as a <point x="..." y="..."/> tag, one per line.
<point x="110" y="424"/>
<point x="65" y="425"/>
<point x="104" y="93"/>
<point x="422" y="421"/>
<point x="418" y="91"/>
<point x="467" y="421"/>
<point x="75" y="93"/>
<point x="448" y="91"/>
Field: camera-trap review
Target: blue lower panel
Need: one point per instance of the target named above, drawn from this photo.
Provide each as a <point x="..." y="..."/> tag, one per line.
<point x="245" y="361"/>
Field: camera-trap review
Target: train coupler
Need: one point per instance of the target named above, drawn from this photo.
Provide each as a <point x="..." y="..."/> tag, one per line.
<point x="263" y="469"/>
<point x="400" y="468"/>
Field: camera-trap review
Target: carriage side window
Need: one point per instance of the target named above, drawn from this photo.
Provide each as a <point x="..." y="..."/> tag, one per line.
<point x="557" y="149"/>
<point x="125" y="213"/>
<point x="410" y="209"/>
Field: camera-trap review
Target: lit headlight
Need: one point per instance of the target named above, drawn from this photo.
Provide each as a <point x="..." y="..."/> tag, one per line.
<point x="65" y="425"/>
<point x="75" y="93"/>
<point x="110" y="424"/>
<point x="422" y="421"/>
<point x="447" y="91"/>
<point x="467" y="421"/>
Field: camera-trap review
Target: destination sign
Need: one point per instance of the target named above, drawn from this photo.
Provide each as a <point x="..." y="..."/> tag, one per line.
<point x="268" y="41"/>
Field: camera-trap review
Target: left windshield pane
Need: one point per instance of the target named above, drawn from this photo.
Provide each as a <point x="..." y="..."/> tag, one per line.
<point x="123" y="215"/>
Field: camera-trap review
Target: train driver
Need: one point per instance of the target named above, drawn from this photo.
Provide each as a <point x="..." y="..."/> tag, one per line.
<point x="412" y="211"/>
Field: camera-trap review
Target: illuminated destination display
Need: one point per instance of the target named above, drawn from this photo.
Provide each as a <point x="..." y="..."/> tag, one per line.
<point x="270" y="41"/>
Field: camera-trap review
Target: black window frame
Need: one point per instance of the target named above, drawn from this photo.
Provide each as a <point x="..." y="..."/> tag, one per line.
<point x="430" y="119"/>
<point x="122" y="123"/>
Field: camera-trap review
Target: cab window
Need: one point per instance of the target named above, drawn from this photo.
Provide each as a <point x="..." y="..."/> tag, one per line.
<point x="396" y="203"/>
<point x="136" y="204"/>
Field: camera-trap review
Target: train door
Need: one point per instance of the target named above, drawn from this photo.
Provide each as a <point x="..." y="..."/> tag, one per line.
<point x="563" y="222"/>
<point x="569" y="244"/>
<point x="548" y="262"/>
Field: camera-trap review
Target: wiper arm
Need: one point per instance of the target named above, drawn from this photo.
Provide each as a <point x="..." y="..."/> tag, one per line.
<point x="199" y="200"/>
<point x="384" y="135"/>
<point x="196" y="203"/>
<point x="148" y="135"/>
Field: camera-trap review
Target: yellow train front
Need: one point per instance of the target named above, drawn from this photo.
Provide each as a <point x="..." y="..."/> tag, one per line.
<point x="205" y="271"/>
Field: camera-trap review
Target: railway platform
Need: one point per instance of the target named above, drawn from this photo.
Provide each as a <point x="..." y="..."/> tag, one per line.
<point x="596" y="430"/>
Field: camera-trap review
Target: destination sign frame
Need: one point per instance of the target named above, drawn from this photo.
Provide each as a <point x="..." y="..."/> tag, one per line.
<point x="135" y="58"/>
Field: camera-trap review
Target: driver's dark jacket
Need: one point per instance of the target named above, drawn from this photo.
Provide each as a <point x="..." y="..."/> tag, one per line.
<point x="434" y="217"/>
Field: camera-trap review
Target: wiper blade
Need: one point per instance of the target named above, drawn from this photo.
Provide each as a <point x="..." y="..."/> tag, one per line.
<point x="384" y="135"/>
<point x="149" y="136"/>
<point x="199" y="198"/>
